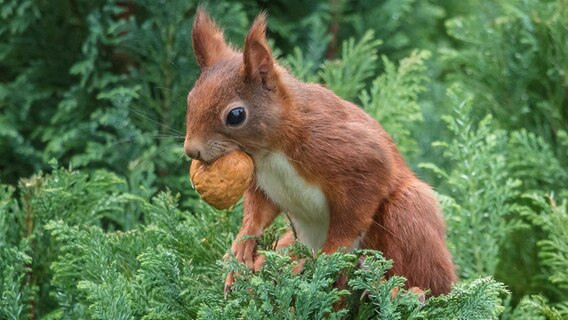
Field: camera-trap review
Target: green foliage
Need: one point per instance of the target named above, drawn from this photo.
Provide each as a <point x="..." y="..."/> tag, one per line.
<point x="479" y="299"/>
<point x="356" y="64"/>
<point x="404" y="25"/>
<point x="533" y="161"/>
<point x="161" y="269"/>
<point x="479" y="206"/>
<point x="368" y="279"/>
<point x="100" y="87"/>
<point x="537" y="308"/>
<point x="77" y="198"/>
<point x="513" y="55"/>
<point x="553" y="254"/>
<point x="166" y="267"/>
<point x="14" y="261"/>
<point x="276" y="293"/>
<point x="398" y="110"/>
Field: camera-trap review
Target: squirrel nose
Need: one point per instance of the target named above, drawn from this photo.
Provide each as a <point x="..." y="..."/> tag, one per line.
<point x="193" y="154"/>
<point x="193" y="149"/>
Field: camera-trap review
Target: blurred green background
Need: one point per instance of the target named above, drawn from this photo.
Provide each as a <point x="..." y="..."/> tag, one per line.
<point x="92" y="109"/>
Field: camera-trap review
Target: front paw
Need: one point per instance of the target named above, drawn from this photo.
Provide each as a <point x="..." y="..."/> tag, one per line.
<point x="244" y="248"/>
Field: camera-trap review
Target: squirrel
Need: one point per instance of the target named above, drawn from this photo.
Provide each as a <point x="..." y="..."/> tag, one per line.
<point x="320" y="159"/>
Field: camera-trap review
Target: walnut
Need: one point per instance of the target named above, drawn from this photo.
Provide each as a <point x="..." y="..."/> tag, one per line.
<point x="222" y="183"/>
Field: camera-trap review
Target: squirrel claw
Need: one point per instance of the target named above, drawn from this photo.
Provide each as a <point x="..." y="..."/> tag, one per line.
<point x="228" y="284"/>
<point x="226" y="291"/>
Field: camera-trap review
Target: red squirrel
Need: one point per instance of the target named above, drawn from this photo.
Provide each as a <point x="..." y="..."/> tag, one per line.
<point x="318" y="158"/>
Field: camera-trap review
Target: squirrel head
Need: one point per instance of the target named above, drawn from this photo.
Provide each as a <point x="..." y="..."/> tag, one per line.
<point x="238" y="100"/>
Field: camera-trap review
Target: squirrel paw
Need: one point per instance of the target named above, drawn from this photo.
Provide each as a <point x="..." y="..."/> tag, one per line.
<point x="244" y="249"/>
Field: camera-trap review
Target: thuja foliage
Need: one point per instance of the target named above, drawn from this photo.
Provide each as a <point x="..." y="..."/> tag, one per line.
<point x="166" y="267"/>
<point x="552" y="217"/>
<point x="513" y="56"/>
<point x="480" y="194"/>
<point x="97" y="216"/>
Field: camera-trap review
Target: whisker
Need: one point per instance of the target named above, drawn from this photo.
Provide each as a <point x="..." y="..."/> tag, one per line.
<point x="182" y="154"/>
<point x="146" y="160"/>
<point x="154" y="121"/>
<point x="133" y="138"/>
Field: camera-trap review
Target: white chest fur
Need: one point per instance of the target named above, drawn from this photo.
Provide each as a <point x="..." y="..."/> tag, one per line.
<point x="305" y="203"/>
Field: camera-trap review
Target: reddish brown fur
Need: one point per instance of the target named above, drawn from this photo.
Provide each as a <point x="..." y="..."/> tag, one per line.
<point x="332" y="143"/>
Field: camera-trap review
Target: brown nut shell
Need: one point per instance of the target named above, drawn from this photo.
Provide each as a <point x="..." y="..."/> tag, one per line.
<point x="222" y="183"/>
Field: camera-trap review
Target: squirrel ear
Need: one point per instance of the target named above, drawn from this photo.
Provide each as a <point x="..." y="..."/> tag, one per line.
<point x="209" y="46"/>
<point x="258" y="62"/>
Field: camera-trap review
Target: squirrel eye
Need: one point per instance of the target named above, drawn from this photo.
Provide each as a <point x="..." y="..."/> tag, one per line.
<point x="236" y="116"/>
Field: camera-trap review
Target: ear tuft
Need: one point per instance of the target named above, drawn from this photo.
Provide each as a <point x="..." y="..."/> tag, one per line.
<point x="209" y="45"/>
<point x="258" y="62"/>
